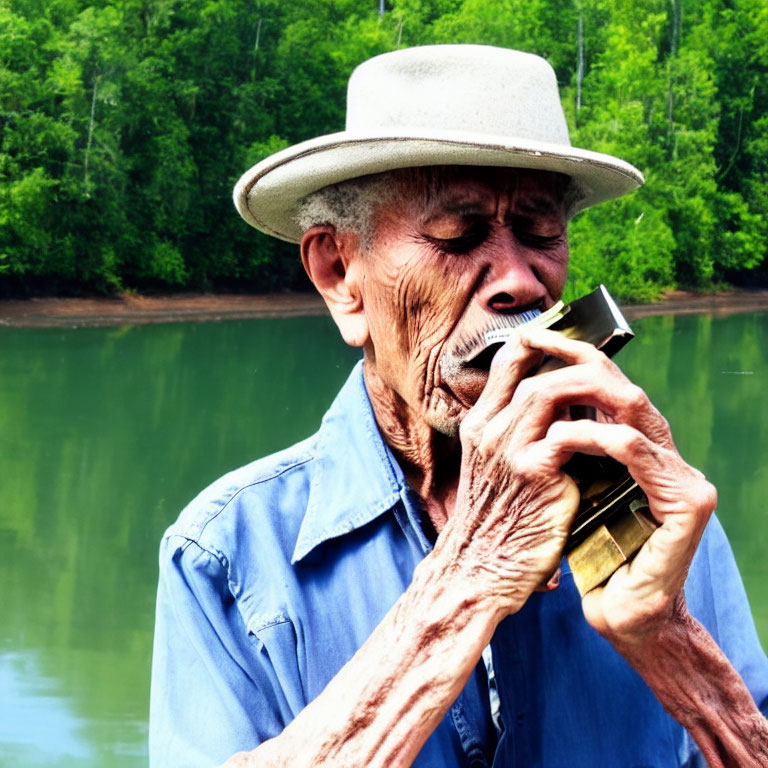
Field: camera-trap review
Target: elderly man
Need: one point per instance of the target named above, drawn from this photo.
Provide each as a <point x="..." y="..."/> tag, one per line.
<point x="386" y="593"/>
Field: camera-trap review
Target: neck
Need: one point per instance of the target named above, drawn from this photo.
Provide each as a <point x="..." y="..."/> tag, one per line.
<point x="430" y="460"/>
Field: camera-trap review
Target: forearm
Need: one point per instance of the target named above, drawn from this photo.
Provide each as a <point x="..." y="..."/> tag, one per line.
<point x="699" y="687"/>
<point x="386" y="701"/>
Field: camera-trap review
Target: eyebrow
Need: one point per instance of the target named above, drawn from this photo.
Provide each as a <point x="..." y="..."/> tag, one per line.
<point x="460" y="209"/>
<point x="531" y="204"/>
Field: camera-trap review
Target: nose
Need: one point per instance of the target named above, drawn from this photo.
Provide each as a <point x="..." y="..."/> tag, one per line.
<point x="511" y="283"/>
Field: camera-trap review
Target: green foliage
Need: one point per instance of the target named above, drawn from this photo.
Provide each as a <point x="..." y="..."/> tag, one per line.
<point x="626" y="245"/>
<point x="125" y="125"/>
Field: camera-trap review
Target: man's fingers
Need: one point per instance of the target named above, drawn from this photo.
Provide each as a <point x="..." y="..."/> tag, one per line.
<point x="591" y="379"/>
<point x="510" y="365"/>
<point x="619" y="441"/>
<point x="570" y="351"/>
<point x="671" y="485"/>
<point x="641" y="456"/>
<point x="517" y="406"/>
<point x="538" y="401"/>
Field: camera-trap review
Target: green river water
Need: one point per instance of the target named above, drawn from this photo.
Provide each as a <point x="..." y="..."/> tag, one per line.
<point x="105" y="434"/>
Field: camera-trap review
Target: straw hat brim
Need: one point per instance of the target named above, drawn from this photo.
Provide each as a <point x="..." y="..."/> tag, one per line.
<point x="267" y="196"/>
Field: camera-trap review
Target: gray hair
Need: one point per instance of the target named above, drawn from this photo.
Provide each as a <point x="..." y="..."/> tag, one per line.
<point x="349" y="206"/>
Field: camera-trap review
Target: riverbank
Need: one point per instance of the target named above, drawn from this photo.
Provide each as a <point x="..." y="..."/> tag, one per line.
<point x="132" y="310"/>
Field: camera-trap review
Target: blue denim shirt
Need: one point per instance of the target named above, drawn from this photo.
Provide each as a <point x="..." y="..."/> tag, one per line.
<point x="274" y="576"/>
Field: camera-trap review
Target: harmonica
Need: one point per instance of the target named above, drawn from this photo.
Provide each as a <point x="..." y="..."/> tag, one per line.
<point x="613" y="519"/>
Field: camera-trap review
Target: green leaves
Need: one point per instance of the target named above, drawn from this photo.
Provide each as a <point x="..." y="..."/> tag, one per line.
<point x="124" y="126"/>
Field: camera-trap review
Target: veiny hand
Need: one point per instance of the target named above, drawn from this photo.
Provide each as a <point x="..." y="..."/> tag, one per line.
<point x="514" y="505"/>
<point x="643" y="594"/>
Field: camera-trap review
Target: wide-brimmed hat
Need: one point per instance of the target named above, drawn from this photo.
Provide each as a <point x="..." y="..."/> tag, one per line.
<point x="434" y="105"/>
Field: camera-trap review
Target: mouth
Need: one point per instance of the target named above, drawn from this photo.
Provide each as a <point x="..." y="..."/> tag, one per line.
<point x="465" y="363"/>
<point x="482" y="360"/>
<point x="477" y="343"/>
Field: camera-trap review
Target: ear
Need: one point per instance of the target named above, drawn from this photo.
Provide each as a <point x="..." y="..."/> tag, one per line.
<point x="333" y="263"/>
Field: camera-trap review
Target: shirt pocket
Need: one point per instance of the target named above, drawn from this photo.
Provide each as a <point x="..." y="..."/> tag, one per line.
<point x="275" y="644"/>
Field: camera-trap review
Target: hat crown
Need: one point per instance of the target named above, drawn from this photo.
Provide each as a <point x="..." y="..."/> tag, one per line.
<point x="475" y="89"/>
<point x="434" y="105"/>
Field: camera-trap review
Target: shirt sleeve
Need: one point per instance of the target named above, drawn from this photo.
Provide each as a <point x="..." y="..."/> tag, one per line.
<point x="209" y="699"/>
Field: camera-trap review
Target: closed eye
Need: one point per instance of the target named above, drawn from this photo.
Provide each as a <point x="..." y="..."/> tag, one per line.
<point x="530" y="231"/>
<point x="461" y="244"/>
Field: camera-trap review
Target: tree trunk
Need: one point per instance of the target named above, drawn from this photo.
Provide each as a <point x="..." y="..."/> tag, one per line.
<point x="580" y="65"/>
<point x="90" y="132"/>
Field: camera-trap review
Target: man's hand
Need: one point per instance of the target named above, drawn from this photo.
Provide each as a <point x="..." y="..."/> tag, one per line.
<point x="515" y="505"/>
<point x="641" y="610"/>
<point x="511" y="517"/>
<point x="629" y="429"/>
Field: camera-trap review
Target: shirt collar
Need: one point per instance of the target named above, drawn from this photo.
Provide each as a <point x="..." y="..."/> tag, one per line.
<point x="355" y="477"/>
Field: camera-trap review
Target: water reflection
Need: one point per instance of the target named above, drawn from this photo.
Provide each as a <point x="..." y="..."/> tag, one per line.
<point x="106" y="433"/>
<point x="32" y="705"/>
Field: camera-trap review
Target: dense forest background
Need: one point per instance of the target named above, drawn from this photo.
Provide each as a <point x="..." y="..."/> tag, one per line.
<point x="126" y="124"/>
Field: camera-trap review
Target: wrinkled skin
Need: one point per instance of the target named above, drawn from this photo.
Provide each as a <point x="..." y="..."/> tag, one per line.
<point x="492" y="242"/>
<point x="484" y="452"/>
